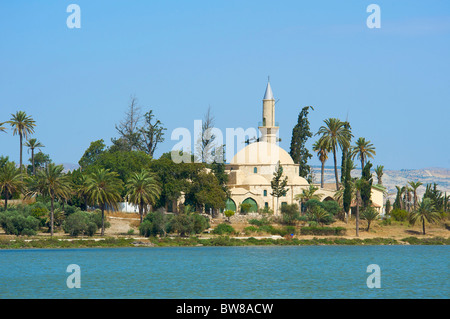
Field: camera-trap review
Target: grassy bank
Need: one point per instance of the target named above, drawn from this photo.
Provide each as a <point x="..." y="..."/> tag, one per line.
<point x="20" y="243"/>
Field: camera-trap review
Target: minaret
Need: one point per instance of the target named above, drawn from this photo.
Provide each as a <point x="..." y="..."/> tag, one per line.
<point x="268" y="128"/>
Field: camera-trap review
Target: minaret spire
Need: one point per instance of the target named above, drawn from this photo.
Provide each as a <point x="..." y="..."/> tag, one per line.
<point x="268" y="128"/>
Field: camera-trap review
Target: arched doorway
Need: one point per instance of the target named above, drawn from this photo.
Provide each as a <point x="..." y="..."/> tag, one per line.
<point x="230" y="205"/>
<point x="253" y="205"/>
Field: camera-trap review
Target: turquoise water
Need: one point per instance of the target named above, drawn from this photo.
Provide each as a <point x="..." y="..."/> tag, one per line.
<point x="227" y="272"/>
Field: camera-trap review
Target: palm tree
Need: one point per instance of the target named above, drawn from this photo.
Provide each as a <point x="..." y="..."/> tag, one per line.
<point x="425" y="212"/>
<point x="379" y="172"/>
<point x="415" y="186"/>
<point x="335" y="134"/>
<point x="399" y="202"/>
<point x="369" y="214"/>
<point x="11" y="181"/>
<point x="103" y="188"/>
<point x="308" y="194"/>
<point x="23" y="125"/>
<point x="2" y="128"/>
<point x="32" y="144"/>
<point x="143" y="189"/>
<point x="51" y="182"/>
<point x="81" y="188"/>
<point x="363" y="149"/>
<point x="322" y="149"/>
<point x="319" y="214"/>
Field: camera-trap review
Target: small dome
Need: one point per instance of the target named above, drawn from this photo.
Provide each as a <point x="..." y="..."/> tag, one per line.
<point x="255" y="180"/>
<point x="262" y="153"/>
<point x="297" y="180"/>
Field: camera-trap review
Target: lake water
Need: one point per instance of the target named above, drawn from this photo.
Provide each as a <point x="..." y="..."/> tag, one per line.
<point x="227" y="272"/>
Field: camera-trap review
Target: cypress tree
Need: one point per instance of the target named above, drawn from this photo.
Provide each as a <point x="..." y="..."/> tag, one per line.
<point x="347" y="197"/>
<point x="298" y="151"/>
<point x="345" y="155"/>
<point x="366" y="189"/>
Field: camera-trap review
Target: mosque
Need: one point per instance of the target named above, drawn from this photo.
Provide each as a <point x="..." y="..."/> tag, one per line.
<point x="251" y="170"/>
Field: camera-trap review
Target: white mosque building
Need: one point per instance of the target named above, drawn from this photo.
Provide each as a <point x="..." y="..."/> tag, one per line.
<point x="251" y="170"/>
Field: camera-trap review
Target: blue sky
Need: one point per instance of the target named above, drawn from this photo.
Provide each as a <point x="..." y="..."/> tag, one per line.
<point x="179" y="57"/>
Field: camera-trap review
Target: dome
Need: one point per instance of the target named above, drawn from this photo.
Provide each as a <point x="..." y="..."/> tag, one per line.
<point x="297" y="180"/>
<point x="255" y="180"/>
<point x="262" y="153"/>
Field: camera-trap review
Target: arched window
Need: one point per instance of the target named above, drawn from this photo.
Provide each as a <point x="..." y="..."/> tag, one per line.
<point x="255" y="170"/>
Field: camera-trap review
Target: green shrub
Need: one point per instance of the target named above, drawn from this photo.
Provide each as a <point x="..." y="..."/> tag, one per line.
<point x="200" y="223"/>
<point x="83" y="223"/>
<point x="223" y="229"/>
<point x="290" y="214"/>
<point x="187" y="224"/>
<point x="15" y="222"/>
<point x="399" y="215"/>
<point x="323" y="231"/>
<point x="250" y="229"/>
<point x="331" y="207"/>
<point x="259" y="222"/>
<point x="146" y="228"/>
<point x="228" y="213"/>
<point x="266" y="211"/>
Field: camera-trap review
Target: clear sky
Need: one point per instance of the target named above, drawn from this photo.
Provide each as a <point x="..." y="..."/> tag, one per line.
<point x="179" y="57"/>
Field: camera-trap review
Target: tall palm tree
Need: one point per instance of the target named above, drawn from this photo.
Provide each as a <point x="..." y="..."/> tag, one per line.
<point x="33" y="144"/>
<point x="322" y="149"/>
<point x="363" y="149"/>
<point x="103" y="188"/>
<point x="336" y="134"/>
<point x="143" y="189"/>
<point x="11" y="181"/>
<point x="81" y="188"/>
<point x="379" y="172"/>
<point x="415" y="186"/>
<point x="425" y="212"/>
<point x="23" y="125"/>
<point x="51" y="182"/>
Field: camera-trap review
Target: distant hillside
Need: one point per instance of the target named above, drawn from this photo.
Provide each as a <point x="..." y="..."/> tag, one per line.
<point x="392" y="178"/>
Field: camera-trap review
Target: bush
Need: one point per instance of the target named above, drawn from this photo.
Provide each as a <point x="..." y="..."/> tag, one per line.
<point x="323" y="231"/>
<point x="250" y="229"/>
<point x="187" y="224"/>
<point x="15" y="222"/>
<point x="386" y="221"/>
<point x="331" y="207"/>
<point x="83" y="223"/>
<point x="399" y="215"/>
<point x="223" y="229"/>
<point x="228" y="213"/>
<point x="290" y="214"/>
<point x="266" y="211"/>
<point x="259" y="222"/>
<point x="146" y="228"/>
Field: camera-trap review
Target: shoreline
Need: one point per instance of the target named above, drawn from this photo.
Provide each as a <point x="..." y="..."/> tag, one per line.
<point x="220" y="241"/>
